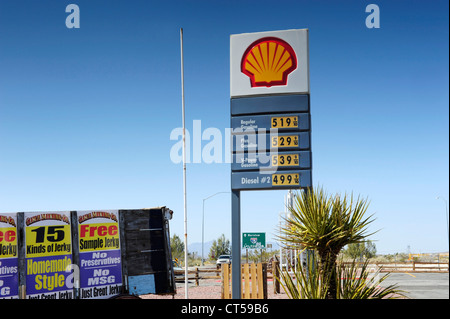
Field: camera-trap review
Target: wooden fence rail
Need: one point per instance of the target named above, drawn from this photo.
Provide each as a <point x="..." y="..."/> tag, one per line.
<point x="197" y="274"/>
<point x="415" y="266"/>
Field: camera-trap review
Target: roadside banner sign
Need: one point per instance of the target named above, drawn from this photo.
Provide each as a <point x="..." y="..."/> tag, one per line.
<point x="100" y="262"/>
<point x="48" y="252"/>
<point x="9" y="274"/>
<point x="95" y="254"/>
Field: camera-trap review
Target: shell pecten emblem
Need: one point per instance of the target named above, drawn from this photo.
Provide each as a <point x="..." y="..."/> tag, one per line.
<point x="268" y="62"/>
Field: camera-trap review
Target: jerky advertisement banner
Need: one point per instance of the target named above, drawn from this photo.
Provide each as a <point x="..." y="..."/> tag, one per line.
<point x="100" y="260"/>
<point x="48" y="252"/>
<point x="9" y="275"/>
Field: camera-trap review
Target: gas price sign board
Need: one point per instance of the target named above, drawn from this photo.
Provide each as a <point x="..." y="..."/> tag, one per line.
<point x="100" y="259"/>
<point x="270" y="110"/>
<point x="48" y="252"/>
<point x="270" y="119"/>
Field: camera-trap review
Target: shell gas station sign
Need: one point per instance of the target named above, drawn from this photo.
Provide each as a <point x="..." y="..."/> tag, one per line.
<point x="270" y="110"/>
<point x="273" y="62"/>
<point x="270" y="121"/>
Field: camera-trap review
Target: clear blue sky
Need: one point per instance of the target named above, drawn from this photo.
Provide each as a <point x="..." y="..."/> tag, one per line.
<point x="86" y="114"/>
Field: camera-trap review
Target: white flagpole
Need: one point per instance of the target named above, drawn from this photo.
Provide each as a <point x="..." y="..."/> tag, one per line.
<point x="184" y="172"/>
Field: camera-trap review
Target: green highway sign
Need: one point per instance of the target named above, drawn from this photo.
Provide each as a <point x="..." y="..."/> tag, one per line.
<point x="253" y="240"/>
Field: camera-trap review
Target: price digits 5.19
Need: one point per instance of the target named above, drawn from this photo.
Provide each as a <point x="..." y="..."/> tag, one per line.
<point x="285" y="122"/>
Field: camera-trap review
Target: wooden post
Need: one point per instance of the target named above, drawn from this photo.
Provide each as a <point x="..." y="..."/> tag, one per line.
<point x="254" y="285"/>
<point x="246" y="290"/>
<point x="259" y="278"/>
<point x="264" y="281"/>
<point x="276" y="275"/>
<point x="225" y="291"/>
<point x="196" y="276"/>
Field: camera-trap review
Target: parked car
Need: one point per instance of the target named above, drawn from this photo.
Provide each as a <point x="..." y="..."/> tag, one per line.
<point x="223" y="259"/>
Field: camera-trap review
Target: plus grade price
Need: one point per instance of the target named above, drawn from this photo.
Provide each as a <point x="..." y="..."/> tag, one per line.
<point x="285" y="141"/>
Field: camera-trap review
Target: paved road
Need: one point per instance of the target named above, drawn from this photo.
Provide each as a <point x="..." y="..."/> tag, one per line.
<point x="421" y="285"/>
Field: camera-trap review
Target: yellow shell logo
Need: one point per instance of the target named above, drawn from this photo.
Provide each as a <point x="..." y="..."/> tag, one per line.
<point x="268" y="62"/>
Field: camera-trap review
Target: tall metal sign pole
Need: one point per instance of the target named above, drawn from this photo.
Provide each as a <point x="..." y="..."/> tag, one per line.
<point x="184" y="169"/>
<point x="270" y="120"/>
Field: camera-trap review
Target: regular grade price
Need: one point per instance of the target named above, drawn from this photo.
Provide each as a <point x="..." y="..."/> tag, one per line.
<point x="284" y="122"/>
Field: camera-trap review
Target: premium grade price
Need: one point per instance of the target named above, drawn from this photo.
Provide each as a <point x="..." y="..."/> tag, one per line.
<point x="285" y="160"/>
<point x="285" y="179"/>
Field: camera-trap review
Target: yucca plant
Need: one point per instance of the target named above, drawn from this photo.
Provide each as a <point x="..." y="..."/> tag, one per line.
<point x="326" y="224"/>
<point x="357" y="282"/>
<point x="354" y="281"/>
<point x="307" y="282"/>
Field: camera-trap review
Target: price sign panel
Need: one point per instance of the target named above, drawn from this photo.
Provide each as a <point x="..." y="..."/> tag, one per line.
<point x="48" y="252"/>
<point x="280" y="180"/>
<point x="271" y="161"/>
<point x="288" y="122"/>
<point x="263" y="142"/>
